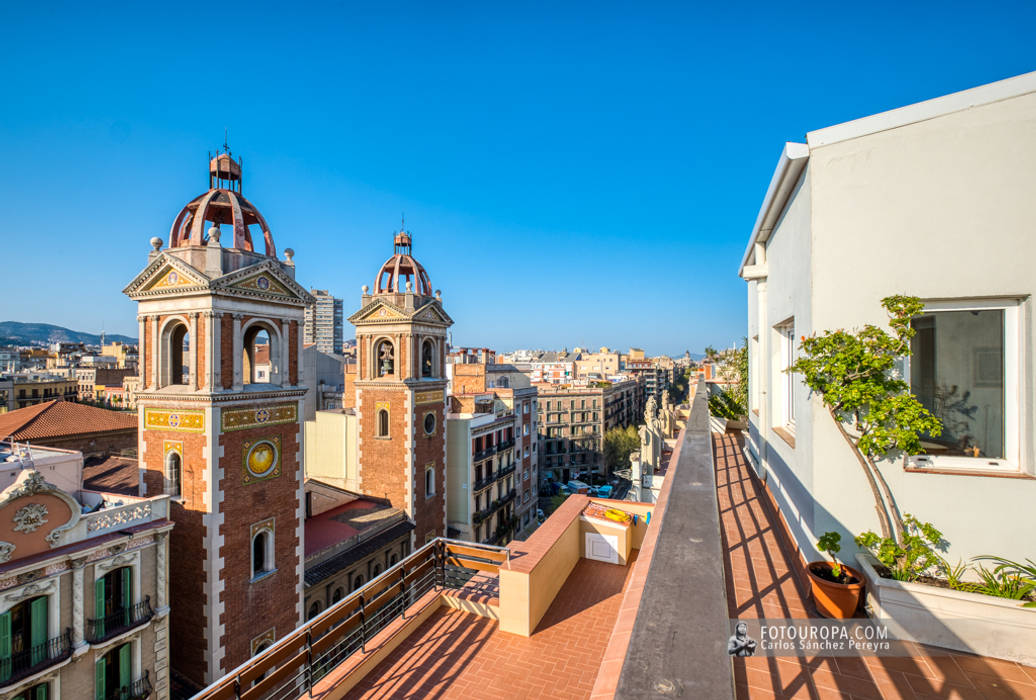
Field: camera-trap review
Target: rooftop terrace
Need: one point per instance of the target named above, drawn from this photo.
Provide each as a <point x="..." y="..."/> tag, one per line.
<point x="542" y="619"/>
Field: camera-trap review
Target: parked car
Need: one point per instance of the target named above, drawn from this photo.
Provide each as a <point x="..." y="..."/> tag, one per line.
<point x="604" y="491"/>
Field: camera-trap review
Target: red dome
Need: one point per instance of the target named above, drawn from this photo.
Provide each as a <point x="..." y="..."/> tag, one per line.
<point x="402" y="268"/>
<point x="222" y="204"/>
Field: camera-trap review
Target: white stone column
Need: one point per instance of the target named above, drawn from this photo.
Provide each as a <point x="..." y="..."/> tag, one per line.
<point x="161" y="573"/>
<point x="156" y="355"/>
<point x="141" y="351"/>
<point x="78" y="608"/>
<point x="194" y="351"/>
<point x="236" y="353"/>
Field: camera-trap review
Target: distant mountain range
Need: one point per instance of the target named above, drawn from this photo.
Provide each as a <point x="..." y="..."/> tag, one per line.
<point x="17" y="333"/>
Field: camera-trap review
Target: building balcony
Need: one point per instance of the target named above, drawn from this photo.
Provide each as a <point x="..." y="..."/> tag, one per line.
<point x="506" y="444"/>
<point x="99" y="629"/>
<point x="501" y="473"/>
<point x="28" y="662"/>
<point x="487" y="452"/>
<point x="137" y="690"/>
<point x="485" y="481"/>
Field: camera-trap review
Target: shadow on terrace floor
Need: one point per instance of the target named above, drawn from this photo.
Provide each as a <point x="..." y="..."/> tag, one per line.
<point x="762" y="569"/>
<point x="460" y="655"/>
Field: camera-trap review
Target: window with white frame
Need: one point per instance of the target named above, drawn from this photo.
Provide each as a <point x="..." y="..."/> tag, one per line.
<point x="429" y="480"/>
<point x="784" y="396"/>
<point x="965" y="368"/>
<point x="262" y="550"/>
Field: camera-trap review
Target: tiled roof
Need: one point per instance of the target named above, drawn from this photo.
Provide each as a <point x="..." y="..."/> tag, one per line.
<point x="112" y="475"/>
<point x="321" y="571"/>
<point x="53" y="419"/>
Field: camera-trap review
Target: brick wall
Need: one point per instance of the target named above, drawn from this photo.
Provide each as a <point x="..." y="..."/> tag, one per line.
<point x="226" y="350"/>
<point x="251" y="608"/>
<point x="186" y="547"/>
<point x="428" y="512"/>
<point x="383" y="469"/>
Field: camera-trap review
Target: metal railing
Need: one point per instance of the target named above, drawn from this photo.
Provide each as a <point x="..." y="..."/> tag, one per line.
<point x="289" y="668"/>
<point x="99" y="629"/>
<point x="36" y="658"/>
<point x="506" y="470"/>
<point x="137" y="690"/>
<point x="485" y="481"/>
<point x="505" y="444"/>
<point x="482" y="454"/>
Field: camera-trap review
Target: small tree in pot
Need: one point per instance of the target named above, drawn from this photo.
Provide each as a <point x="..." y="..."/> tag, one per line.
<point x="854" y="373"/>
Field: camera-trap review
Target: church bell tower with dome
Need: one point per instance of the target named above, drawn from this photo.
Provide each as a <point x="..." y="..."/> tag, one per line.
<point x="400" y="389"/>
<point x="220" y="431"/>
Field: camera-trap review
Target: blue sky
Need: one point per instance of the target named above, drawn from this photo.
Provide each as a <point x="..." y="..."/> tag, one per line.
<point x="573" y="174"/>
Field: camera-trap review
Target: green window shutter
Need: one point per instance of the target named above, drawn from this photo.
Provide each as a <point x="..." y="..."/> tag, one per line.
<point x="125" y="668"/>
<point x="5" y="646"/>
<point x="99" y="607"/>
<point x="99" y="680"/>
<point x="42" y="692"/>
<point x="127" y="594"/>
<point x="39" y="628"/>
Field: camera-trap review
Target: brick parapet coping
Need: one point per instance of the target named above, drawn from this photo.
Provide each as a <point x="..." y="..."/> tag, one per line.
<point x="524" y="556"/>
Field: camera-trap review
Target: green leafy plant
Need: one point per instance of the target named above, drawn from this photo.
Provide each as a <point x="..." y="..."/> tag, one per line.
<point x="854" y="374"/>
<point x="1003" y="584"/>
<point x="830" y="542"/>
<point x="1025" y="573"/>
<point x="912" y="555"/>
<point x="954" y="574"/>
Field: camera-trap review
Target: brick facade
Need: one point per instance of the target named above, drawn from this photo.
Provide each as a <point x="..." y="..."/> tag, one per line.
<point x="428" y="449"/>
<point x="252" y="607"/>
<point x="186" y="544"/>
<point x="383" y="472"/>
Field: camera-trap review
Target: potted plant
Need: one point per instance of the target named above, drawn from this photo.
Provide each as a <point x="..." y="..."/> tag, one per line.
<point x="837" y="588"/>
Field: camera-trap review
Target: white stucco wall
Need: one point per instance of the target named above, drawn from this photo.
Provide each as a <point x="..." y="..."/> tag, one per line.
<point x="940" y="209"/>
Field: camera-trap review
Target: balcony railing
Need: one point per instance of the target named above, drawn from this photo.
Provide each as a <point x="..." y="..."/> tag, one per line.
<point x="137" y="690"/>
<point x="487" y="452"/>
<point x="505" y="444"/>
<point x="290" y="667"/>
<point x="99" y="629"/>
<point x="485" y="481"/>
<point x="36" y="658"/>
<point x="506" y="470"/>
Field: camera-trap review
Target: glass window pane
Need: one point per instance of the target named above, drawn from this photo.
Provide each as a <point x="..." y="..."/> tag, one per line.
<point x="957" y="372"/>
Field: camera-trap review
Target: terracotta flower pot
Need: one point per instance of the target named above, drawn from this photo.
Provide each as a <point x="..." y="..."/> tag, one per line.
<point x="835" y="600"/>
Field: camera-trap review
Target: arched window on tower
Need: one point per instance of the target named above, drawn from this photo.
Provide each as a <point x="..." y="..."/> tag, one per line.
<point x="383" y="422"/>
<point x="173" y="474"/>
<point x="428" y="359"/>
<point x="384" y="359"/>
<point x="175" y="359"/>
<point x="258" y="353"/>
<point x="262" y="552"/>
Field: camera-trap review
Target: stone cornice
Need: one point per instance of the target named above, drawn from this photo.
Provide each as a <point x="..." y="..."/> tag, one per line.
<point x="220" y="397"/>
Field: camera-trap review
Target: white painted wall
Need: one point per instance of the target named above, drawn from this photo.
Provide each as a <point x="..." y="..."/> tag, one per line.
<point x="941" y="208"/>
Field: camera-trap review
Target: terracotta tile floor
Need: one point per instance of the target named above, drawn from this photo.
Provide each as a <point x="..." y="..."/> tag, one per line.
<point x="760" y="583"/>
<point x="456" y="654"/>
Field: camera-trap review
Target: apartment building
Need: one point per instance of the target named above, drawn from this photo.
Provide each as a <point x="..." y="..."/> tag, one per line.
<point x="573" y="420"/>
<point x="492" y="452"/>
<point x="323" y="324"/>
<point x="656" y="375"/>
<point x="31" y="388"/>
<point x="83" y="583"/>
<point x="554" y="367"/>
<point x="95" y="384"/>
<point x="932" y="200"/>
<point x="598" y="365"/>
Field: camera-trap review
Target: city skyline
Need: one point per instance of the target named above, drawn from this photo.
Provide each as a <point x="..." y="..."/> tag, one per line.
<point x="589" y="170"/>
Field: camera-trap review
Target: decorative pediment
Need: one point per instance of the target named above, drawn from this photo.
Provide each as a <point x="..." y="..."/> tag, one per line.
<point x="166" y="274"/>
<point x="264" y="281"/>
<point x="379" y="310"/>
<point x="383" y="311"/>
<point x="34" y="516"/>
<point x="432" y="312"/>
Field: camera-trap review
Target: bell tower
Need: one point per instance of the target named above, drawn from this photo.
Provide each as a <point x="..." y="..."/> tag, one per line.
<point x="220" y="432"/>
<point x="401" y="391"/>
